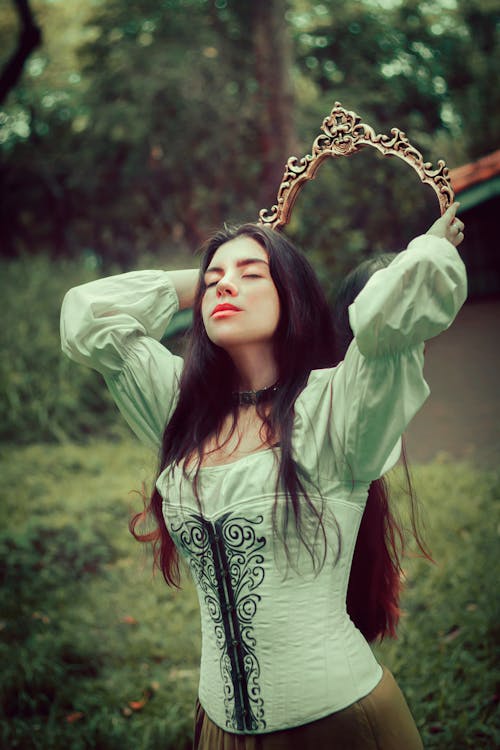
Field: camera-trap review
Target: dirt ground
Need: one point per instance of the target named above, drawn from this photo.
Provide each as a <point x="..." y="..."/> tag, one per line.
<point x="462" y="367"/>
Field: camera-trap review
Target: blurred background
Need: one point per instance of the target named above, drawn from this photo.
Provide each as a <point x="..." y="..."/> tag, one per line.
<point x="128" y="132"/>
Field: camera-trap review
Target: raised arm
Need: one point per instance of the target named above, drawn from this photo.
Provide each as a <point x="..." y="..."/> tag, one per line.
<point x="417" y="296"/>
<point x="114" y="325"/>
<point x="360" y="409"/>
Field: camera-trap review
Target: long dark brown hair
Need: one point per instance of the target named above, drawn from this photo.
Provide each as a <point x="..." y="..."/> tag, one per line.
<point x="304" y="341"/>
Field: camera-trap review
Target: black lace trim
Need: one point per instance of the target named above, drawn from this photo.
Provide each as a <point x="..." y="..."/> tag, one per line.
<point x="226" y="560"/>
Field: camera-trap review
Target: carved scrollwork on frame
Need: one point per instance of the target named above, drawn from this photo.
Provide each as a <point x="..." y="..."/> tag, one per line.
<point x="343" y="135"/>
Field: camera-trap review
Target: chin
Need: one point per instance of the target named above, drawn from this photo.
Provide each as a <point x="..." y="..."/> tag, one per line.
<point x="234" y="340"/>
<point x="226" y="342"/>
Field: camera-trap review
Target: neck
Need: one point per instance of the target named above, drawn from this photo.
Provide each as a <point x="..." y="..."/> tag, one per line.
<point x="256" y="367"/>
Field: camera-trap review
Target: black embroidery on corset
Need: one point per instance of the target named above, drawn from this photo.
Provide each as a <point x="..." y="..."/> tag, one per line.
<point x="226" y="560"/>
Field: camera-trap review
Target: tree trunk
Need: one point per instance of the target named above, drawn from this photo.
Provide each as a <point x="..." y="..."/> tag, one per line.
<point x="30" y="37"/>
<point x="274" y="111"/>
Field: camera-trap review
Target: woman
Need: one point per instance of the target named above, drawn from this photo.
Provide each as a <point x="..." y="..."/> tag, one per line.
<point x="267" y="455"/>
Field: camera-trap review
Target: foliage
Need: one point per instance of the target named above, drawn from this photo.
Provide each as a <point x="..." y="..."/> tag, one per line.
<point x="44" y="396"/>
<point x="149" y="124"/>
<point x="95" y="653"/>
<point x="414" y="64"/>
<point x="148" y="166"/>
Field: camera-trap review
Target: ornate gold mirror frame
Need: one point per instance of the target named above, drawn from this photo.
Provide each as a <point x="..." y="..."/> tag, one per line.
<point x="343" y="135"/>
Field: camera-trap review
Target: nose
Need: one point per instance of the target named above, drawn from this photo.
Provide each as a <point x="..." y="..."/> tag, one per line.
<point x="226" y="287"/>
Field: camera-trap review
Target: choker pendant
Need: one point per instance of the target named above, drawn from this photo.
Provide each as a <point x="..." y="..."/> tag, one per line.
<point x="251" y="398"/>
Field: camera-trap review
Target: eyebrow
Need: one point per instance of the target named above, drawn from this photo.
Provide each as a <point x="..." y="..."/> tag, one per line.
<point x="240" y="264"/>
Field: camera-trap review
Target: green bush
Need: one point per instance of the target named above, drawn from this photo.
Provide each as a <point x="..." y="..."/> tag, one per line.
<point x="40" y="558"/>
<point x="44" y="395"/>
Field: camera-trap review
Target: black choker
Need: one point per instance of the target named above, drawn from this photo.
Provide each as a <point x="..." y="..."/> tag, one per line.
<point x="249" y="398"/>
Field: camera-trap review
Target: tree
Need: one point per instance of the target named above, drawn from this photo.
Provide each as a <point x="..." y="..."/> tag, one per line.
<point x="470" y="59"/>
<point x="178" y="115"/>
<point x="30" y="37"/>
<point x="207" y="136"/>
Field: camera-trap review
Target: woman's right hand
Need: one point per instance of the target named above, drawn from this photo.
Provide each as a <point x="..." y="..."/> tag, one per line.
<point x="449" y="226"/>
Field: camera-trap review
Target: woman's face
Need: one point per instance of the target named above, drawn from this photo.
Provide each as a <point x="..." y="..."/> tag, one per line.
<point x="240" y="304"/>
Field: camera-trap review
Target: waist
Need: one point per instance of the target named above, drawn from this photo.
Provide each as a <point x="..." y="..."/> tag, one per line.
<point x="266" y="673"/>
<point x="381" y="717"/>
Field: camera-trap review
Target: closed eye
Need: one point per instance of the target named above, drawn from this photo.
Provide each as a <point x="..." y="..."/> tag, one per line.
<point x="252" y="276"/>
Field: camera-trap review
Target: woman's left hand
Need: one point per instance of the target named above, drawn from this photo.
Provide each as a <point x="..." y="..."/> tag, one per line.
<point x="449" y="226"/>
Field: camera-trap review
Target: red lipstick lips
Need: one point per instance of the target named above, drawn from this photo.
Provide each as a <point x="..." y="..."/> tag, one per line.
<point x="225" y="310"/>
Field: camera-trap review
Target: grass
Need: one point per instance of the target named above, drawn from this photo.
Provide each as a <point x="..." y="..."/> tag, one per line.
<point x="97" y="653"/>
<point x="446" y="655"/>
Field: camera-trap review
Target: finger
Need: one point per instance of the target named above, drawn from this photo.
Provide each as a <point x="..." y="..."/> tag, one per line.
<point x="451" y="211"/>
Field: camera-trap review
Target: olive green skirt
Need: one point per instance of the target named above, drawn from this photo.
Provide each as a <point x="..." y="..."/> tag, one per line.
<point x="379" y="721"/>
